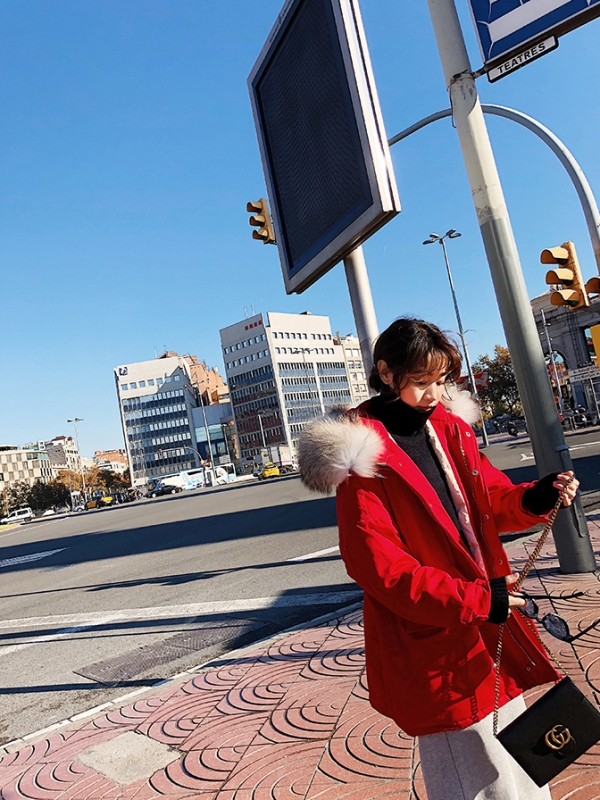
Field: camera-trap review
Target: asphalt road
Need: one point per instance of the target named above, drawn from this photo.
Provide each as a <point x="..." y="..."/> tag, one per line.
<point x="97" y="604"/>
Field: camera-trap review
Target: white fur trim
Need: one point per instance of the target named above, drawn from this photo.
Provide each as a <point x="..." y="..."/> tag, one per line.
<point x="463" y="404"/>
<point x="330" y="448"/>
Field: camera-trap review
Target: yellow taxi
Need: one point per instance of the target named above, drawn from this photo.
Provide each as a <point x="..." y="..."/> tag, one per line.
<point x="269" y="470"/>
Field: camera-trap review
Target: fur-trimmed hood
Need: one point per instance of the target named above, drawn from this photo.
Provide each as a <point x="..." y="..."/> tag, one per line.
<point x="332" y="447"/>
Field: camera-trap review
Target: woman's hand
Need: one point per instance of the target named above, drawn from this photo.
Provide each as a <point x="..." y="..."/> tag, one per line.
<point x="514" y="601"/>
<point x="567" y="479"/>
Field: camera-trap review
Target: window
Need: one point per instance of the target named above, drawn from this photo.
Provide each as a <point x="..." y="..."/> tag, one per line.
<point x="133" y="385"/>
<point x="277" y="350"/>
<point x="151" y="382"/>
<point x="176" y="377"/>
<point x="245" y="343"/>
<point x="260" y="354"/>
<point x="305" y="336"/>
<point x="265" y="352"/>
<point x="159" y="381"/>
<point x="256" y="339"/>
<point x="293" y="335"/>
<point x="226" y="350"/>
<point x="142" y="384"/>
<point x="314" y="336"/>
<point x="238" y="346"/>
<point x="168" y="379"/>
<point x="287" y="336"/>
<point x="263" y="337"/>
<point x="124" y="387"/>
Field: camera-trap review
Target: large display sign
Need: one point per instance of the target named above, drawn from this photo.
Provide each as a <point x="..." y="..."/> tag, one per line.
<point x="506" y="26"/>
<point x="323" y="144"/>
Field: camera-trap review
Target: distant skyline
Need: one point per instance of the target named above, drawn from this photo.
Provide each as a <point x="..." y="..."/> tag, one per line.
<point x="127" y="157"/>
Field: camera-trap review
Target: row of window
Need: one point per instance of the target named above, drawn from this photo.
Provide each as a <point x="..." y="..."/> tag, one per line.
<point x="352" y="351"/>
<point x="336" y="394"/>
<point x="252" y="376"/>
<point x="307" y="379"/>
<point x="267" y="387"/>
<point x="288" y="398"/>
<point x="357" y="376"/>
<point x="247" y="359"/>
<point x="355" y="365"/>
<point x="334" y="379"/>
<point x="144" y="432"/>
<point x="286" y="335"/>
<point x="151" y="400"/>
<point x="270" y="433"/>
<point x="323" y="350"/>
<point x="245" y="343"/>
<point x="131" y="416"/>
<point x="149" y="382"/>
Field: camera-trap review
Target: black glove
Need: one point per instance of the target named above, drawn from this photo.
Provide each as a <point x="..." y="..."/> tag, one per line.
<point x="499" y="606"/>
<point x="542" y="496"/>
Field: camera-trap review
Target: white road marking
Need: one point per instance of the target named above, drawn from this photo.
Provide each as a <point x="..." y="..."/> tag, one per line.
<point x="525" y="457"/>
<point x="579" y="446"/>
<point x="9" y="562"/>
<point x="95" y="618"/>
<point x="17" y="648"/>
<point x="316" y="554"/>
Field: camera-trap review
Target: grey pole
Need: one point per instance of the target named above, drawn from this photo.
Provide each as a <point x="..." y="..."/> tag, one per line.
<point x="75" y="420"/>
<point x="571" y="535"/>
<point x="564" y="155"/>
<point x="461" y="332"/>
<point x="551" y="357"/>
<point x="262" y="431"/>
<point x="362" y="304"/>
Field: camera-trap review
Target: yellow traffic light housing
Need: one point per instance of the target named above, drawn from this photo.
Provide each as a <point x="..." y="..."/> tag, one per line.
<point x="261" y="219"/>
<point x="593" y="286"/>
<point x="568" y="275"/>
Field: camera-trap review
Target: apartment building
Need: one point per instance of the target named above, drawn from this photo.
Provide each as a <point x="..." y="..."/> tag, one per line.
<point x="282" y="371"/>
<point x="357" y="377"/>
<point x="29" y="464"/>
<point x="113" y="460"/>
<point x="63" y="454"/>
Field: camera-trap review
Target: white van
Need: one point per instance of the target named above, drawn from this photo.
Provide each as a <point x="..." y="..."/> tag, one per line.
<point x="20" y="515"/>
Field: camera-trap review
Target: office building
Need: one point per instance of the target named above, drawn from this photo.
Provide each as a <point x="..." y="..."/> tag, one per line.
<point x="282" y="371"/>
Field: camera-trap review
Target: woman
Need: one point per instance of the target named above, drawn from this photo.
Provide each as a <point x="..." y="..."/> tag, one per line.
<point x="419" y="513"/>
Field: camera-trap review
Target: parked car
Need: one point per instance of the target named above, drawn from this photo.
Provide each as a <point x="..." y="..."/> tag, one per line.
<point x="20" y="515"/>
<point x="166" y="488"/>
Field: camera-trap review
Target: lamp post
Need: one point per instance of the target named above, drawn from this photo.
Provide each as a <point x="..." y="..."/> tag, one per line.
<point x="75" y="420"/>
<point x="433" y="238"/>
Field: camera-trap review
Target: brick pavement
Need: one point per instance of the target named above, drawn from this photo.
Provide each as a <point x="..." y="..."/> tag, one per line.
<point x="289" y="719"/>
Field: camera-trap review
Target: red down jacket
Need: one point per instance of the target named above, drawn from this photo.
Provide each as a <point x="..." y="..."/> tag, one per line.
<point x="429" y="648"/>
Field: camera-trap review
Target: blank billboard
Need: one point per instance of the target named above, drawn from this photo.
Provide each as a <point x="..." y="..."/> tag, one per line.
<point x="323" y="145"/>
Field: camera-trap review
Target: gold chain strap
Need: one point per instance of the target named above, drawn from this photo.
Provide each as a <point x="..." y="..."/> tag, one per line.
<point x="515" y="588"/>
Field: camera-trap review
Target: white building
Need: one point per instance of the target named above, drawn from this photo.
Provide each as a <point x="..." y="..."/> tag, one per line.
<point x="358" y="379"/>
<point x="23" y="464"/>
<point x="156" y="399"/>
<point x="63" y="454"/>
<point x="282" y="370"/>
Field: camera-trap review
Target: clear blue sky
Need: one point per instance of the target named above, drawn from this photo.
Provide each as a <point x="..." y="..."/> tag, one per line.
<point x="127" y="156"/>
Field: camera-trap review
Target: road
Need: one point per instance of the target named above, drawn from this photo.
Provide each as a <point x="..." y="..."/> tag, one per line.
<point x="140" y="592"/>
<point x="97" y="604"/>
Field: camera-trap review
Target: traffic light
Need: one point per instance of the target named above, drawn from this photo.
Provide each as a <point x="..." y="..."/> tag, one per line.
<point x="261" y="219"/>
<point x="568" y="275"/>
<point x="593" y="286"/>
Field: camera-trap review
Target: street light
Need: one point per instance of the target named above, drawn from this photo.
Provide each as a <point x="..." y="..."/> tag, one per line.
<point x="75" y="420"/>
<point x="433" y="238"/>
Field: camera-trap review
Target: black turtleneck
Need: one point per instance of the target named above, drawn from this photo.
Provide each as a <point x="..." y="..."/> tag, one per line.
<point x="407" y="427"/>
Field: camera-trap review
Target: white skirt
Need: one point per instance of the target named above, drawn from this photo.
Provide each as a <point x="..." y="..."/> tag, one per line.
<point x="470" y="764"/>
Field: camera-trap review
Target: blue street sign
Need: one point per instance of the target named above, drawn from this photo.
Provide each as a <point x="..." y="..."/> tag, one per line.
<point x="504" y="26"/>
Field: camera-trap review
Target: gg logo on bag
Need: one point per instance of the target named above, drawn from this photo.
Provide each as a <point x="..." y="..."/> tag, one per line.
<point x="557" y="737"/>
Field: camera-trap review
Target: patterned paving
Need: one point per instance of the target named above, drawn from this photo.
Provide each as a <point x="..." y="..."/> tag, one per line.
<point x="291" y="721"/>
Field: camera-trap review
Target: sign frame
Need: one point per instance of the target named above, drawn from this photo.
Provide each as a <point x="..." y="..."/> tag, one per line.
<point x="505" y="35"/>
<point x="355" y="76"/>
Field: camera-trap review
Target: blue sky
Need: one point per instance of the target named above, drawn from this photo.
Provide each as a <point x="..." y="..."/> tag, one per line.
<point x="127" y="156"/>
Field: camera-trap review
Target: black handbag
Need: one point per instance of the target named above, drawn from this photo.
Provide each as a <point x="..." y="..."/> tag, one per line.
<point x="559" y="727"/>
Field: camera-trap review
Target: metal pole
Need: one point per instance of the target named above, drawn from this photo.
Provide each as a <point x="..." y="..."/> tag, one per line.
<point x="461" y="332"/>
<point x="209" y="443"/>
<point x="362" y="305"/>
<point x="593" y="388"/>
<point x="551" y="357"/>
<point x="564" y="155"/>
<point x="75" y="421"/>
<point x="262" y="431"/>
<point x="571" y="535"/>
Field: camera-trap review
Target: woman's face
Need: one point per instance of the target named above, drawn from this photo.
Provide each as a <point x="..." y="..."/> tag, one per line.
<point x="424" y="391"/>
<point x="419" y="391"/>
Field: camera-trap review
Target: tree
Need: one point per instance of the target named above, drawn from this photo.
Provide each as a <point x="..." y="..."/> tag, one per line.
<point x="16" y="495"/>
<point x="502" y="394"/>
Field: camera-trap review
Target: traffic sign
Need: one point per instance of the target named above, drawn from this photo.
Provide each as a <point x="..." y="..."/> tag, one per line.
<point x="584" y="373"/>
<point x="505" y="28"/>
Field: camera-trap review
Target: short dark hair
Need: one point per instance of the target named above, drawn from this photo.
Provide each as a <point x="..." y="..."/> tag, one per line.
<point x="413" y="347"/>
